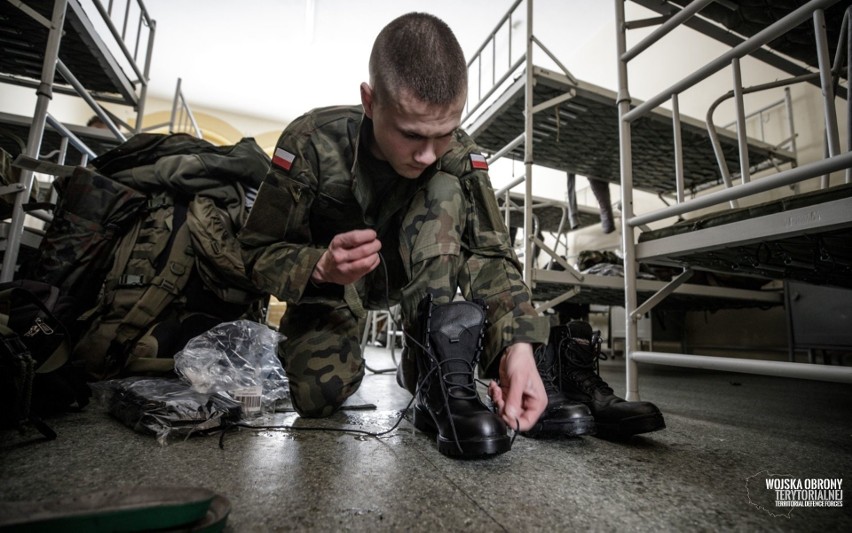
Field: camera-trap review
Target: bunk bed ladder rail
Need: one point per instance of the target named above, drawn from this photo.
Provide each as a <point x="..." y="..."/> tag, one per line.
<point x="143" y="20"/>
<point x="51" y="64"/>
<point x="485" y="89"/>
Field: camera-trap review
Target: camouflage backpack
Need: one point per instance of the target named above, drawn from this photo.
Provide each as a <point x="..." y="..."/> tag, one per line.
<point x="173" y="267"/>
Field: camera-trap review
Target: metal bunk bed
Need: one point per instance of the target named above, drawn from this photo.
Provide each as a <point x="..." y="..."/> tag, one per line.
<point x="549" y="118"/>
<point x="813" y="218"/>
<point x="55" y="47"/>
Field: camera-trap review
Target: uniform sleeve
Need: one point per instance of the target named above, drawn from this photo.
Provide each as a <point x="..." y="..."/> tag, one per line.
<point x="493" y="273"/>
<point x="276" y="238"/>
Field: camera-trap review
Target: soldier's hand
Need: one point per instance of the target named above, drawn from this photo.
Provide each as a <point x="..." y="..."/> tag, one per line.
<point x="349" y="257"/>
<point x="519" y="396"/>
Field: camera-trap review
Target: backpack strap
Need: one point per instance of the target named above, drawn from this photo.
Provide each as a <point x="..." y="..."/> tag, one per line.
<point x="45" y="167"/>
<point x="160" y="293"/>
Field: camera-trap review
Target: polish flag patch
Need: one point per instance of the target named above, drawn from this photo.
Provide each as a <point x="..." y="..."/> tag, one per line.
<point x="283" y="158"/>
<point x="478" y="162"/>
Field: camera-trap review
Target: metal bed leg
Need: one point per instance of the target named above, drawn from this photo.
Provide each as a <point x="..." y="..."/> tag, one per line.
<point x="45" y="94"/>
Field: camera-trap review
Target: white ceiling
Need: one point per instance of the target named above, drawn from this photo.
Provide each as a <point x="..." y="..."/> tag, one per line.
<point x="278" y="58"/>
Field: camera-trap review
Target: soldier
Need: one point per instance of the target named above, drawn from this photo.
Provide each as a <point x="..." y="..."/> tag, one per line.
<point x="390" y="202"/>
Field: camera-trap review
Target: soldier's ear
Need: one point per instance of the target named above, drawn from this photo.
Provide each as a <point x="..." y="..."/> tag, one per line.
<point x="367" y="99"/>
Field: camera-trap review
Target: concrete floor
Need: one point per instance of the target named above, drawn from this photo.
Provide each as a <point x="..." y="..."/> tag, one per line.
<point x="706" y="472"/>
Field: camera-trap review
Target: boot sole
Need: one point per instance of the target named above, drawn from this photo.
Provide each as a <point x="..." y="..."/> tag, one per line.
<point x="469" y="448"/>
<point x="632" y="426"/>
<point x="574" y="427"/>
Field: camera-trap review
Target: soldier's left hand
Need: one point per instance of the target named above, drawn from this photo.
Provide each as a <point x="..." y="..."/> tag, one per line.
<point x="349" y="257"/>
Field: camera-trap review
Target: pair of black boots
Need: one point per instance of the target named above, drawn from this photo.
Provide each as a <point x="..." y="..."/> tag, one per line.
<point x="448" y="341"/>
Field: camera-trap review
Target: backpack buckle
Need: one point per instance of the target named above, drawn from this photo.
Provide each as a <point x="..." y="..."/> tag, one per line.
<point x="131" y="280"/>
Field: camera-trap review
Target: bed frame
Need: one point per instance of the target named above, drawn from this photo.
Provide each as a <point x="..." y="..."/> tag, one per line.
<point x="550" y="118"/>
<point x="828" y="216"/>
<point x="57" y="47"/>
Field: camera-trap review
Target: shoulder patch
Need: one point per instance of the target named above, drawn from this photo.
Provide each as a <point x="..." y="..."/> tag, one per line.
<point x="478" y="162"/>
<point x="282" y="158"/>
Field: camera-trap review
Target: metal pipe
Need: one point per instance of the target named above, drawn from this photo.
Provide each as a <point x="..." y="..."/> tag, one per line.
<point x="511" y="184"/>
<point x="506" y="149"/>
<point x="662" y="294"/>
<point x="678" y="149"/>
<point x="126" y="19"/>
<point x="75" y="141"/>
<point x="528" y="150"/>
<point x="627" y="236"/>
<point x="555" y="59"/>
<point x="143" y="93"/>
<point x="44" y="95"/>
<point x="742" y="137"/>
<point x="120" y="41"/>
<point x="507" y="211"/>
<point x="497" y="85"/>
<point x="838" y="374"/>
<point x="787" y="177"/>
<point x="827" y="83"/>
<point x="717" y="148"/>
<point x="509" y="54"/>
<point x="84" y="94"/>
<point x="767" y="107"/>
<point x="714" y="135"/>
<point x="493" y="61"/>
<point x="664" y="29"/>
<point x="494" y="31"/>
<point x="788" y="102"/>
<point x="175" y="103"/>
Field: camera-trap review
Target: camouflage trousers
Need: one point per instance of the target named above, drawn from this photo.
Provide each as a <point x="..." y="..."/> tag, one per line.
<point x="322" y="353"/>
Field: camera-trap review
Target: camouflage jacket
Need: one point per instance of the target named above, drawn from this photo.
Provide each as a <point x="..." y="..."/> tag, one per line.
<point x="316" y="189"/>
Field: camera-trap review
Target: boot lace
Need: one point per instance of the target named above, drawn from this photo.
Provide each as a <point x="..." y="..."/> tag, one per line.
<point x="584" y="362"/>
<point x="546" y="369"/>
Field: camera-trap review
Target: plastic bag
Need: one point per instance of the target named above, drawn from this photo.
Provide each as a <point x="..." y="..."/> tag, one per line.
<point x="240" y="358"/>
<point x="164" y="407"/>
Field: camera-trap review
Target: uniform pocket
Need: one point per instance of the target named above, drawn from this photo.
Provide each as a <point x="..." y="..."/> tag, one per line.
<point x="281" y="210"/>
<point x="487" y="276"/>
<point x="485" y="229"/>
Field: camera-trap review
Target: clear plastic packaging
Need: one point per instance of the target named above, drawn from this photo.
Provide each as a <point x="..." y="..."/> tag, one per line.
<point x="240" y="358"/>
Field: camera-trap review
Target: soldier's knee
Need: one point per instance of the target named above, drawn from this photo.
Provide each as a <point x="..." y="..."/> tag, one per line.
<point x="312" y="410"/>
<point x="314" y="398"/>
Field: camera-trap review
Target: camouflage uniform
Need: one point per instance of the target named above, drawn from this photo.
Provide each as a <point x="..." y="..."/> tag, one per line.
<point x="438" y="232"/>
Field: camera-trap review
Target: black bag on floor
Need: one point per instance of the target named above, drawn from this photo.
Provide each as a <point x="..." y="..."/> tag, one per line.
<point x="36" y="377"/>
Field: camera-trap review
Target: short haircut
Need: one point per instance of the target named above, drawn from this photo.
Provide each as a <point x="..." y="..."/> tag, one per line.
<point x="418" y="52"/>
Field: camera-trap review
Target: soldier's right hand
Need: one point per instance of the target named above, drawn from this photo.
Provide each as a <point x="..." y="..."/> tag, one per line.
<point x="350" y="256"/>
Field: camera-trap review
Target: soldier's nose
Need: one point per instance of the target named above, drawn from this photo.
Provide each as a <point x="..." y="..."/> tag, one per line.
<point x="426" y="155"/>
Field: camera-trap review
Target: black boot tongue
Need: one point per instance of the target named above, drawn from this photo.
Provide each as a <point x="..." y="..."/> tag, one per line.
<point x="456" y="361"/>
<point x="455" y="330"/>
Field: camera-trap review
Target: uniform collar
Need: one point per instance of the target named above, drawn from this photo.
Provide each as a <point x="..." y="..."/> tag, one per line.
<point x="363" y="190"/>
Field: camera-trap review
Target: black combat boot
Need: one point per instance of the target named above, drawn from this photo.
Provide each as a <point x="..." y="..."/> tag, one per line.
<point x="578" y="350"/>
<point x="562" y="417"/>
<point x="447" y="403"/>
